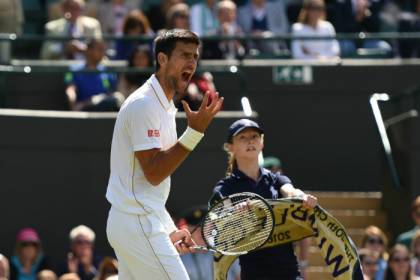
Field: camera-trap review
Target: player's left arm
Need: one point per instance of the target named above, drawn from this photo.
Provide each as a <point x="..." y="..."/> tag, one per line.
<point x="288" y="190"/>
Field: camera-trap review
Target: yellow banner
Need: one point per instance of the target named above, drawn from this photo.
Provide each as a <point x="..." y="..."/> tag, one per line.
<point x="294" y="222"/>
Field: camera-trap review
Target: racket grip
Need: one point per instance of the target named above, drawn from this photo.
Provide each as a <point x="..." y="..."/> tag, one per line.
<point x="178" y="242"/>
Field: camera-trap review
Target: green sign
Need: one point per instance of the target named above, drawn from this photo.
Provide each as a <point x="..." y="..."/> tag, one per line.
<point x="292" y="74"/>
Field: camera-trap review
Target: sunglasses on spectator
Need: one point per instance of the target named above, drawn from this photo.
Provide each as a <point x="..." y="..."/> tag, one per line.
<point x="398" y="260"/>
<point x="366" y="262"/>
<point x="373" y="240"/>
<point x="179" y="15"/>
<point x="82" y="242"/>
<point x="28" y="243"/>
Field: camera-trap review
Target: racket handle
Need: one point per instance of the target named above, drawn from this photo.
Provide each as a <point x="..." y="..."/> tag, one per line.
<point x="202" y="248"/>
<point x="178" y="242"/>
<point x="196" y="247"/>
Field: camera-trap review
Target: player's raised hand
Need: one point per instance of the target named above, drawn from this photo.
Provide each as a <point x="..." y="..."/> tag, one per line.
<point x="199" y="120"/>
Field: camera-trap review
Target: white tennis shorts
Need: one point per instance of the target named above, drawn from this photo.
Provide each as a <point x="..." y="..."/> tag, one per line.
<point x="143" y="248"/>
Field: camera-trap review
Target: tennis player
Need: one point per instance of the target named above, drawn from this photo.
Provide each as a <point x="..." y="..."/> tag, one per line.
<point x="244" y="143"/>
<point x="145" y="152"/>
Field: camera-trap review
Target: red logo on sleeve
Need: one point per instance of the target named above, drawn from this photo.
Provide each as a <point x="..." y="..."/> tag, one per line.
<point x="153" y="133"/>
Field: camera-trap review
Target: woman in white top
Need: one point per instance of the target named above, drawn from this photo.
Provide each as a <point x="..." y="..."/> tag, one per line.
<point x="311" y="23"/>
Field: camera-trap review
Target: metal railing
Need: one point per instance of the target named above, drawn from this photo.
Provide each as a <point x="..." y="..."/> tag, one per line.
<point x="244" y="37"/>
<point x="379" y="98"/>
<point x="391" y="37"/>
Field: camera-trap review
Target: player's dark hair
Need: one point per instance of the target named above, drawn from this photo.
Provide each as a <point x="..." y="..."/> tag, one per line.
<point x="167" y="40"/>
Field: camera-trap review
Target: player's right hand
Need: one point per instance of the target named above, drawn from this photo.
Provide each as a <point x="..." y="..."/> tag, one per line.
<point x="200" y="120"/>
<point x="182" y="241"/>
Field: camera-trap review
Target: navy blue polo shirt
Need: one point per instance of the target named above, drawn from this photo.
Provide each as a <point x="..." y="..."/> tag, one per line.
<point x="271" y="263"/>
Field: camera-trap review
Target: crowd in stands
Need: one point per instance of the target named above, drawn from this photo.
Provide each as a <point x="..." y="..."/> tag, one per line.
<point x="30" y="262"/>
<point x="400" y="261"/>
<point x="132" y="25"/>
<point x="131" y="18"/>
<point x="379" y="261"/>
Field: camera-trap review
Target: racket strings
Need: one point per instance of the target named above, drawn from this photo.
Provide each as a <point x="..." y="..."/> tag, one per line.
<point x="238" y="225"/>
<point x="242" y="236"/>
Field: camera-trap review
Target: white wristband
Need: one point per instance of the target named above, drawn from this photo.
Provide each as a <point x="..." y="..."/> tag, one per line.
<point x="190" y="138"/>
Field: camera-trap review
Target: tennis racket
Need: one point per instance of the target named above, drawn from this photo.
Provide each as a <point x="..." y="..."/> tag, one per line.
<point x="237" y="224"/>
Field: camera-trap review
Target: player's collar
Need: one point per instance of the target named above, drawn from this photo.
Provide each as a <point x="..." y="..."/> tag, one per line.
<point x="239" y="174"/>
<point x="160" y="94"/>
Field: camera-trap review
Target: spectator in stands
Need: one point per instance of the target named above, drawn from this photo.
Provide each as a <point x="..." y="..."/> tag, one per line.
<point x="29" y="258"/>
<point x="311" y="23"/>
<point x="415" y="249"/>
<point x="369" y="263"/>
<point x="93" y="91"/>
<point x="72" y="24"/>
<point x="354" y="16"/>
<point x="200" y="83"/>
<point x="273" y="164"/>
<point x="178" y="16"/>
<point x="69" y="276"/>
<point x="399" y="264"/>
<point x="46" y="274"/>
<point x="261" y="17"/>
<point x="111" y="15"/>
<point x="375" y="239"/>
<point x="108" y="267"/>
<point x="227" y="26"/>
<point x="81" y="259"/>
<point x="199" y="265"/>
<point x="407" y="237"/>
<point x="229" y="49"/>
<point x="408" y="22"/>
<point x="203" y="17"/>
<point x="157" y="13"/>
<point x="204" y="21"/>
<point x="140" y="59"/>
<point x="4" y="268"/>
<point x="11" y="21"/>
<point x="135" y="24"/>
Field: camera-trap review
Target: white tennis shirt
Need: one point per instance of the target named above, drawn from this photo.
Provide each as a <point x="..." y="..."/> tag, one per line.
<point x="145" y="121"/>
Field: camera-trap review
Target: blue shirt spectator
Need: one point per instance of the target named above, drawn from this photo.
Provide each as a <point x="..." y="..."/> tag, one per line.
<point x="90" y="84"/>
<point x="29" y="258"/>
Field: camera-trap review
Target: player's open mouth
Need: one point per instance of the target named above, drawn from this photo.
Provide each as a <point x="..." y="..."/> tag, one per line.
<point x="186" y="76"/>
<point x="250" y="149"/>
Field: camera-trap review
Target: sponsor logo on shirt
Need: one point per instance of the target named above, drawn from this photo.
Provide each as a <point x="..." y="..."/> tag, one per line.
<point x="153" y="133"/>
